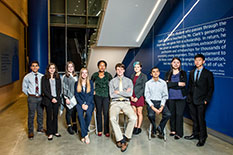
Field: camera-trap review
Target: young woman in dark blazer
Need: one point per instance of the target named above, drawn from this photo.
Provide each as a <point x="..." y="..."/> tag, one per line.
<point x="176" y="80"/>
<point x="137" y="100"/>
<point x="84" y="92"/>
<point x="51" y="90"/>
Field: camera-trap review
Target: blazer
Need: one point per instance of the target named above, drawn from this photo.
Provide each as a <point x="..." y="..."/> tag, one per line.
<point x="46" y="91"/>
<point x="203" y="89"/>
<point x="139" y="86"/>
<point x="83" y="97"/>
<point x="174" y="85"/>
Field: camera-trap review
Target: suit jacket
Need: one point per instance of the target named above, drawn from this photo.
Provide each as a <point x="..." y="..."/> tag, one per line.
<point x="202" y="90"/>
<point x="139" y="86"/>
<point x="46" y="91"/>
<point x="174" y="85"/>
<point x="83" y="96"/>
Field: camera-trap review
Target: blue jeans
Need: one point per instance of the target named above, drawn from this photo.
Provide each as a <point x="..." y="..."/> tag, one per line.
<point x="165" y="116"/>
<point x="84" y="121"/>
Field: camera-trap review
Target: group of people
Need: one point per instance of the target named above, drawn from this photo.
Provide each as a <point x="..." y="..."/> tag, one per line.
<point x="111" y="96"/>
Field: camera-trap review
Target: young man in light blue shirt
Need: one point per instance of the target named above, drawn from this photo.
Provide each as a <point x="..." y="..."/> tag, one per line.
<point x="32" y="88"/>
<point x="156" y="94"/>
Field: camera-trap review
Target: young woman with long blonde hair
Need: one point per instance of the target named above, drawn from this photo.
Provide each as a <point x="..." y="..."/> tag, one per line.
<point x="84" y="92"/>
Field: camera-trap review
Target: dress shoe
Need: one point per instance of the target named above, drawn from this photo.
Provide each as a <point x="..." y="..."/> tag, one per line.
<point x="30" y="136"/>
<point x="75" y="129"/>
<point x="161" y="134"/>
<point x="50" y="137"/>
<point x="191" y="137"/>
<point x="124" y="147"/>
<point x="118" y="144"/>
<point x="70" y="130"/>
<point x="172" y="134"/>
<point x="139" y="130"/>
<point x="57" y="135"/>
<point x="135" y="130"/>
<point x="201" y="143"/>
<point x="107" y="135"/>
<point x="176" y="137"/>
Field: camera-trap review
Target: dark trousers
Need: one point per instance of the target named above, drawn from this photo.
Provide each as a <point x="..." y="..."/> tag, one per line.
<point x="176" y="108"/>
<point x="197" y="113"/>
<point x="34" y="105"/>
<point x="84" y="120"/>
<point x="165" y="116"/>
<point x="71" y="114"/>
<point x="102" y="104"/>
<point x="52" y="121"/>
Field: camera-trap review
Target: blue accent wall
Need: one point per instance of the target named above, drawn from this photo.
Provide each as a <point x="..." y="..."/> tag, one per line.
<point x="207" y="29"/>
<point x="38" y="32"/>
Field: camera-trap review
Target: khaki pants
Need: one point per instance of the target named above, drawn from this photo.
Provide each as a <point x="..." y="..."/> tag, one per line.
<point x="116" y="107"/>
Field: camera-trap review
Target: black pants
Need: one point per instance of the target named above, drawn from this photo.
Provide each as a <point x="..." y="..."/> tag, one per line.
<point x="176" y="108"/>
<point x="34" y="105"/>
<point x="165" y="116"/>
<point x="102" y="104"/>
<point x="71" y="114"/>
<point x="197" y="113"/>
<point x="52" y="114"/>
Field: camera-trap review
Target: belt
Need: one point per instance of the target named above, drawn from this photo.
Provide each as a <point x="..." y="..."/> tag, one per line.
<point x="34" y="95"/>
<point x="121" y="100"/>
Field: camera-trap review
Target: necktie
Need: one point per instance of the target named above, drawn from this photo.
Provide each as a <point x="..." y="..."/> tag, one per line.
<point x="197" y="76"/>
<point x="121" y="87"/>
<point x="37" y="85"/>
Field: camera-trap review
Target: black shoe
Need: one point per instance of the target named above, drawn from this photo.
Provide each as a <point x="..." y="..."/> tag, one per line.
<point x="176" y="137"/>
<point x="50" y="137"/>
<point x="69" y="129"/>
<point x="161" y="134"/>
<point x="172" y="134"/>
<point x="191" y="137"/>
<point x="135" y="130"/>
<point x="74" y="127"/>
<point x="138" y="131"/>
<point x="201" y="143"/>
<point x="57" y="135"/>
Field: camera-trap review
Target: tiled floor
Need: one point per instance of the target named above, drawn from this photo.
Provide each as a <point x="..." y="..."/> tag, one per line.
<point x="14" y="141"/>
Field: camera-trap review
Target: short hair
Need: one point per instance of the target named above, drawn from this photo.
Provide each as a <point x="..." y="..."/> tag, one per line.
<point x="154" y="68"/>
<point x="121" y="65"/>
<point x="35" y="62"/>
<point x="137" y="63"/>
<point x="105" y="63"/>
<point x="199" y="56"/>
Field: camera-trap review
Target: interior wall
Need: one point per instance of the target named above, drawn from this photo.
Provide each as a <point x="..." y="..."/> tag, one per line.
<point x="112" y="55"/>
<point x="208" y="31"/>
<point x="13" y="25"/>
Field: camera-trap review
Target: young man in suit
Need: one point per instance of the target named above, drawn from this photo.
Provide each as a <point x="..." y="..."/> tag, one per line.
<point x="201" y="87"/>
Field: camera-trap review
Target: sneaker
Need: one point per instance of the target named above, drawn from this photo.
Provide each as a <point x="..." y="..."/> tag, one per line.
<point x="41" y="131"/>
<point x="70" y="130"/>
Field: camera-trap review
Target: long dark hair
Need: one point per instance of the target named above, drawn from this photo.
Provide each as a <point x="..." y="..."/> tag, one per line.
<point x="171" y="70"/>
<point x="55" y="75"/>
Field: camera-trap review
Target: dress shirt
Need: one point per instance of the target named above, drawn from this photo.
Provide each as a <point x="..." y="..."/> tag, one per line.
<point x="29" y="83"/>
<point x="114" y="86"/>
<point x="156" y="90"/>
<point x="195" y="73"/>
